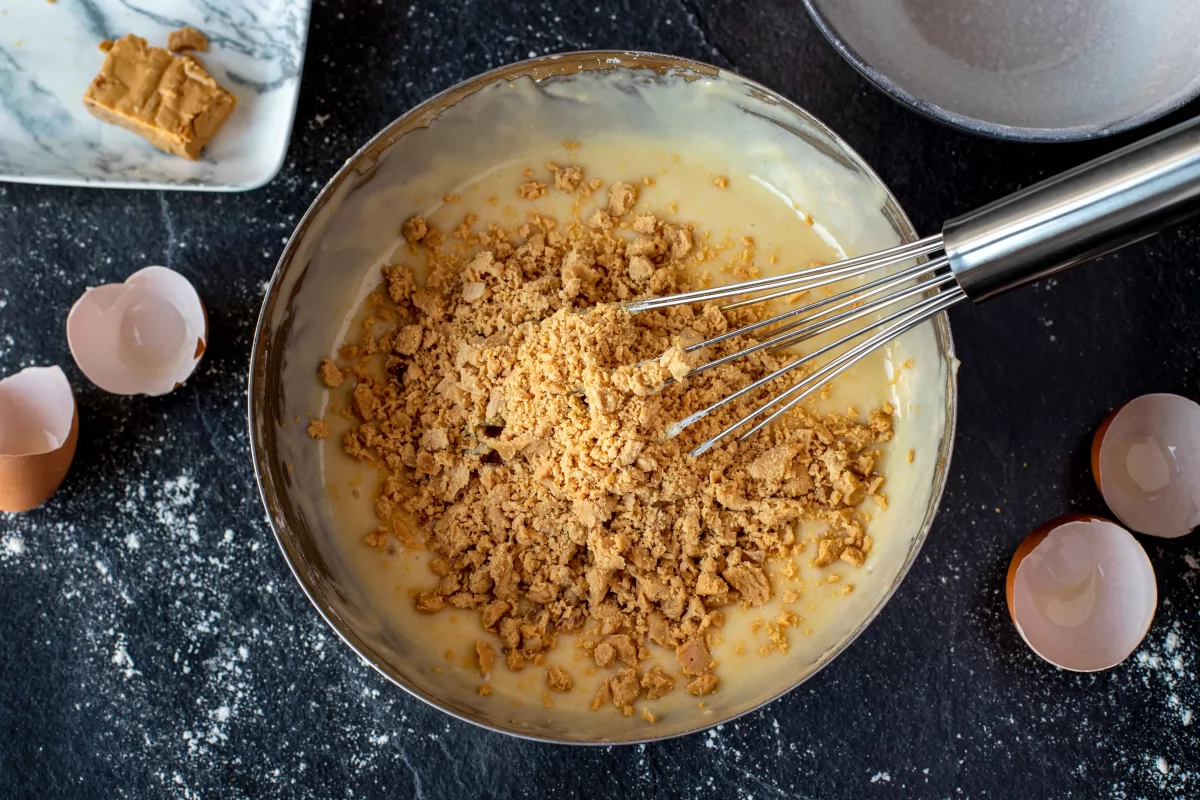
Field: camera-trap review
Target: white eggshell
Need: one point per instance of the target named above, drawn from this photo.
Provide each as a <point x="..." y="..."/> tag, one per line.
<point x="143" y="336"/>
<point x="1084" y="597"/>
<point x="1149" y="465"/>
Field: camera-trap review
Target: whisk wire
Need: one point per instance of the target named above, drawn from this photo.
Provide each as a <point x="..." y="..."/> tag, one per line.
<point x="858" y="308"/>
<point x="676" y="428"/>
<point x="943" y="301"/>
<point x="930" y="279"/>
<point x="901" y="321"/>
<point x="788" y="335"/>
<point x="799" y="279"/>
<point x="850" y="296"/>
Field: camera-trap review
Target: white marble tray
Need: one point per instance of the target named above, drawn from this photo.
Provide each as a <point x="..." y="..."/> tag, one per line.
<point x="48" y="55"/>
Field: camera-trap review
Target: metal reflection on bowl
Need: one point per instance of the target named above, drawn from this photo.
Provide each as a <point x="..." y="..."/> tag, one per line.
<point x="1023" y="69"/>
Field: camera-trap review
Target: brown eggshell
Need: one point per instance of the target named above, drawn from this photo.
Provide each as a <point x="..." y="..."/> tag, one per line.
<point x="28" y="481"/>
<point x="1170" y="425"/>
<point x="1082" y="593"/>
<point x="1098" y="439"/>
<point x="202" y="342"/>
<point x="1026" y="547"/>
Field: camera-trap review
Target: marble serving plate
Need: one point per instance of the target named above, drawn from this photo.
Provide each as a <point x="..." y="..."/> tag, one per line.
<point x="48" y="55"/>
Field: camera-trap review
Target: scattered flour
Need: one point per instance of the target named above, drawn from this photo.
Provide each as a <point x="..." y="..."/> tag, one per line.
<point x="120" y="657"/>
<point x="11" y="546"/>
<point x="1167" y="665"/>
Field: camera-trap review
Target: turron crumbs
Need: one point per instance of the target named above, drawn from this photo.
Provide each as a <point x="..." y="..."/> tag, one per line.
<point x="519" y="442"/>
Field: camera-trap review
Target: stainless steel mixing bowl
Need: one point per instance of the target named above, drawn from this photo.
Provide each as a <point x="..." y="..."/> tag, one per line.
<point x="1024" y="69"/>
<point x="289" y="476"/>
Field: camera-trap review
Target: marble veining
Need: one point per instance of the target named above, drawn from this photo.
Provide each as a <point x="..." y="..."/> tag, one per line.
<point x="48" y="56"/>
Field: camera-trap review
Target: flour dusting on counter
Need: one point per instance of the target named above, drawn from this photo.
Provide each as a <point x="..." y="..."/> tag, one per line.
<point x="11" y="547"/>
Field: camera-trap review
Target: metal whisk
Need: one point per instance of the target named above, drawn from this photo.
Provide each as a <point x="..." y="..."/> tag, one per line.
<point x="1063" y="221"/>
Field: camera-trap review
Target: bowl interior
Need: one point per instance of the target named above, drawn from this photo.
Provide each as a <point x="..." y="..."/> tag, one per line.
<point x="333" y="259"/>
<point x="1068" y="69"/>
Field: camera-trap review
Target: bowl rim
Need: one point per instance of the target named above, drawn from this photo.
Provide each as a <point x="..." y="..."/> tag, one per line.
<point x="991" y="130"/>
<point x="257" y="418"/>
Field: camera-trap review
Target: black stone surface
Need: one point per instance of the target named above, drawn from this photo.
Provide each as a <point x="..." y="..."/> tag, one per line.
<point x="152" y="643"/>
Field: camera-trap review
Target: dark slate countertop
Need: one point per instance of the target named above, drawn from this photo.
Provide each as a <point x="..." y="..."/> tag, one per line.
<point x="153" y="644"/>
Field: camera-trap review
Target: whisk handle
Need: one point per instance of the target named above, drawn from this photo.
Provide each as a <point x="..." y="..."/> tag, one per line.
<point x="1094" y="209"/>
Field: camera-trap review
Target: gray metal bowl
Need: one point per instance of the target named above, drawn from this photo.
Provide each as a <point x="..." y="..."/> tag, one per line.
<point x="283" y="364"/>
<point x="1024" y="69"/>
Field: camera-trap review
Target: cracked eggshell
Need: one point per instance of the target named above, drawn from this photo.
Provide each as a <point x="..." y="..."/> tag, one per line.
<point x="39" y="428"/>
<point x="1146" y="462"/>
<point x="1082" y="593"/>
<point x="143" y="336"/>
